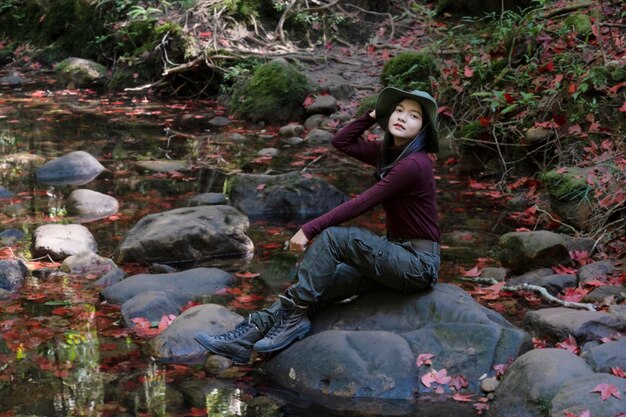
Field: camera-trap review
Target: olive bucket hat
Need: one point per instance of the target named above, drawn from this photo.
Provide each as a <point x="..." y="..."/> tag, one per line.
<point x="391" y="96"/>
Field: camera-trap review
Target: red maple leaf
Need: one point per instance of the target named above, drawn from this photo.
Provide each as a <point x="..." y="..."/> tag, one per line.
<point x="308" y="101"/>
<point x="462" y="397"/>
<point x="585" y="413"/>
<point x="595" y="283"/>
<point x="616" y="87"/>
<point x="573" y="295"/>
<point x="474" y="272"/>
<point x="617" y="371"/>
<point x="424" y="359"/>
<point x="569" y="344"/>
<point x="477" y="185"/>
<point x="248" y="298"/>
<point x="165" y="321"/>
<point x="501" y="368"/>
<point x="458" y="382"/>
<point x="441" y="377"/>
<point x="606" y="390"/>
<point x="247" y="274"/>
<point x="560" y="269"/>
<point x="539" y="343"/>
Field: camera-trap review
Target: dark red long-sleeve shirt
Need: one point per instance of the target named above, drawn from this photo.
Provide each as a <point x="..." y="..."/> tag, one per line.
<point x="407" y="192"/>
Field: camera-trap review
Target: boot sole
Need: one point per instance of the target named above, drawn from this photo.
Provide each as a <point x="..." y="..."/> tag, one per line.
<point x="298" y="335"/>
<point x="237" y="360"/>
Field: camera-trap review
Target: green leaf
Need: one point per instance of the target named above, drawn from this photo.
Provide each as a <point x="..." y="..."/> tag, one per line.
<point x="509" y="109"/>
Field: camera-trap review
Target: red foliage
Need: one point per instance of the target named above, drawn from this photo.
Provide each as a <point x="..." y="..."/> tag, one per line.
<point x="606" y="391"/>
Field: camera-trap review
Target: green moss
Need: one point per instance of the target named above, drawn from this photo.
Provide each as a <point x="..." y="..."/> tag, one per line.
<point x="544" y="406"/>
<point x="581" y="23"/>
<point x="66" y="66"/>
<point x="566" y="185"/>
<point x="410" y="70"/>
<point x="617" y="72"/>
<point x="181" y="46"/>
<point x="274" y="90"/>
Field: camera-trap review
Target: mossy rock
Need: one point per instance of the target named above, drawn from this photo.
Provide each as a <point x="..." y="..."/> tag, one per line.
<point x="410" y="70"/>
<point x="274" y="93"/>
<point x="569" y="184"/>
<point x="581" y="23"/>
<point x="78" y="72"/>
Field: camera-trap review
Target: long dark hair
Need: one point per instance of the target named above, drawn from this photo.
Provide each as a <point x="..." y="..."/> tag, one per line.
<point x="416" y="145"/>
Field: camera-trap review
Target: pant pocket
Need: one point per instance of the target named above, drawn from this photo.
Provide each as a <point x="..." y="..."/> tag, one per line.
<point x="421" y="276"/>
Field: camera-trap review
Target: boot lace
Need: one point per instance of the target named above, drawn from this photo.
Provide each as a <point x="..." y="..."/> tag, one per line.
<point x="240" y="330"/>
<point x="277" y="328"/>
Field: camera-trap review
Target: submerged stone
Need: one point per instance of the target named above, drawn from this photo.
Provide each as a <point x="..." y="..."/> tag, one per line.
<point x="75" y="168"/>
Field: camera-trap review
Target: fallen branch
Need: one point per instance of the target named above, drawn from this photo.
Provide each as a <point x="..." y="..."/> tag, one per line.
<point x="566" y="10"/>
<point x="535" y="288"/>
<point x="307" y="166"/>
<point x="572" y="228"/>
<point x="159" y="83"/>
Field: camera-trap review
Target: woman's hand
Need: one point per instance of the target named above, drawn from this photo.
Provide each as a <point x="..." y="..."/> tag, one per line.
<point x="298" y="242"/>
<point x="432" y="157"/>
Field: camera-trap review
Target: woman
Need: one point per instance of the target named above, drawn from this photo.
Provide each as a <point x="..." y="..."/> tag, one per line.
<point x="347" y="261"/>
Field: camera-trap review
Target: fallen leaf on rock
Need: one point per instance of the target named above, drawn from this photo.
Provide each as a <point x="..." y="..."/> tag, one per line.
<point x="606" y="390"/>
<point x="440" y="377"/>
<point x="462" y="397"/>
<point x="424" y="359"/>
<point x="474" y="272"/>
<point x="458" y="382"/>
<point x="585" y="413"/>
<point x="569" y="344"/>
<point x="617" y="371"/>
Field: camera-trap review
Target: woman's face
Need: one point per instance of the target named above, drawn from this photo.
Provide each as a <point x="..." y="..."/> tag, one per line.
<point x="405" y="121"/>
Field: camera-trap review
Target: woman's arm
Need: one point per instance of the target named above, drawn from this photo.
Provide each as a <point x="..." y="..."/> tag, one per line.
<point x="400" y="180"/>
<point x="349" y="140"/>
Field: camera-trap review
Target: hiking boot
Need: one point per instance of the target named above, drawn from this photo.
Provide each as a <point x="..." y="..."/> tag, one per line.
<point x="292" y="323"/>
<point x="235" y="344"/>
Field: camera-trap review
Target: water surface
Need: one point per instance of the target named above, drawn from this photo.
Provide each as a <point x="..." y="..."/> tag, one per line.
<point x="62" y="351"/>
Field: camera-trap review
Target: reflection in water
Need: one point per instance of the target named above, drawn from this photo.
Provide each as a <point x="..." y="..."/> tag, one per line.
<point x="154" y="391"/>
<point x="78" y="361"/>
<point x="223" y="403"/>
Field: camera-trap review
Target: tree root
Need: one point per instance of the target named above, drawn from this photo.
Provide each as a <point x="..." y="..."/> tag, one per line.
<point x="229" y="40"/>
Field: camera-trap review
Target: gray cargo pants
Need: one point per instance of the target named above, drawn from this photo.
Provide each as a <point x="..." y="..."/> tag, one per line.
<point x="347" y="261"/>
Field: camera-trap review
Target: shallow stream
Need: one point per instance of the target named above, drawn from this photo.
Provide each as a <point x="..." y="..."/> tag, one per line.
<point x="63" y="352"/>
